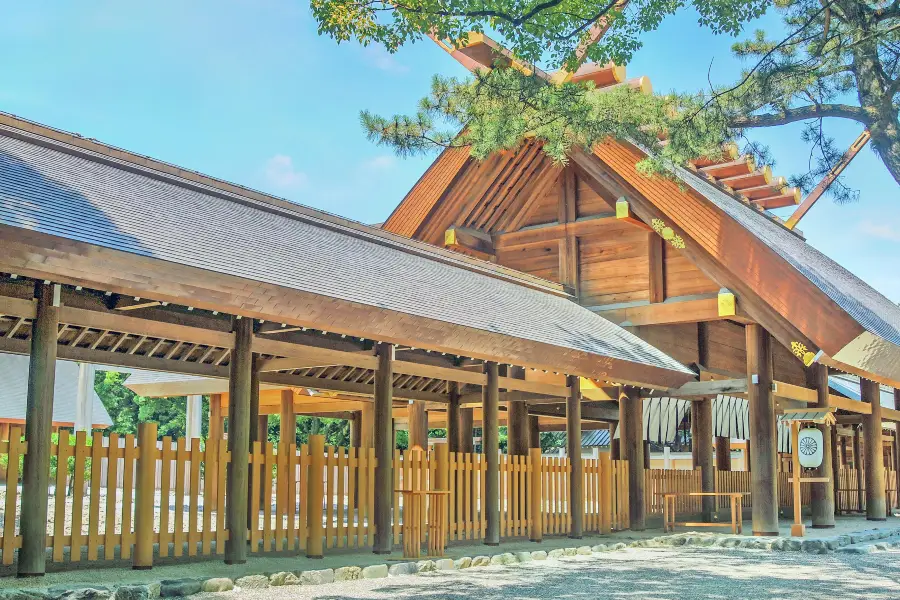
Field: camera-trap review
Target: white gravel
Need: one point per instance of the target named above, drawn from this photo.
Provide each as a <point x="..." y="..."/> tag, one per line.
<point x="630" y="574"/>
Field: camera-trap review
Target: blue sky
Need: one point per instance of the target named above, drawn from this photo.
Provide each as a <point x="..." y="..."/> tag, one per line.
<point x="247" y="91"/>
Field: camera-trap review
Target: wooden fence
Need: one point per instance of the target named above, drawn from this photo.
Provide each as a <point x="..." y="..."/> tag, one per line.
<point x="185" y="508"/>
<point x="852" y="498"/>
<point x="668" y="481"/>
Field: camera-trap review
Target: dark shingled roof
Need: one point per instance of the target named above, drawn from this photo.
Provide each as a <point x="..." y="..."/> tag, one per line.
<point x="875" y="313"/>
<point x="57" y="189"/>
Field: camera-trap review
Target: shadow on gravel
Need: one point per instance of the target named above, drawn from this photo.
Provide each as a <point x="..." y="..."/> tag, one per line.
<point x="658" y="575"/>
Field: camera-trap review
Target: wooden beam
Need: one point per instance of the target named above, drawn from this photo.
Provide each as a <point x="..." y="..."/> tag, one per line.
<point x="540" y="234"/>
<point x="124" y="304"/>
<point x="780" y="389"/>
<point x="470" y="241"/>
<point x="849" y="405"/>
<point x="239" y="442"/>
<point x="349" y="387"/>
<point x="589" y="412"/>
<point x="624" y="214"/>
<point x="684" y="309"/>
<point x="703" y="388"/>
<point x="657" y="266"/>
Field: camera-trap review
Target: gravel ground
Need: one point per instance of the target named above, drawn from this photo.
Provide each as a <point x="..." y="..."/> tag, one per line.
<point x="633" y="573"/>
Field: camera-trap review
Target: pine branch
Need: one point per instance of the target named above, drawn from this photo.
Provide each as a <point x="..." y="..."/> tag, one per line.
<point x="803" y="113"/>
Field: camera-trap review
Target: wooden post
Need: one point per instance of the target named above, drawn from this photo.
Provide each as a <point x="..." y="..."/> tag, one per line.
<point x="237" y="484"/>
<point x="763" y="442"/>
<point x="705" y="457"/>
<point x="723" y="453"/>
<point x="490" y="448"/>
<point x="287" y="432"/>
<point x="835" y="470"/>
<point x="822" y="494"/>
<point x="615" y="446"/>
<point x="876" y="503"/>
<point x="534" y="432"/>
<point x="695" y="437"/>
<point x="858" y="465"/>
<point x="418" y="426"/>
<point x="144" y="495"/>
<point x="535" y="491"/>
<point x="38" y="426"/>
<point x="466" y="430"/>
<point x="517" y="425"/>
<point x="384" y="447"/>
<point x="897" y="448"/>
<point x="315" y="540"/>
<point x="573" y="446"/>
<point x="354" y="429"/>
<point x="631" y="441"/>
<point x="453" y="432"/>
<point x="797" y="527"/>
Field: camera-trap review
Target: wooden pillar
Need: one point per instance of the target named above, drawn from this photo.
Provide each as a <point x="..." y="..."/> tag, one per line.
<point x="646" y="455"/>
<point x="836" y="470"/>
<point x="354" y="429"/>
<point x="695" y="446"/>
<point x="705" y="457"/>
<point x="534" y="432"/>
<point x="517" y="425"/>
<point x="723" y="453"/>
<point x="418" y="426"/>
<point x="822" y="494"/>
<point x="897" y="448"/>
<point x="876" y="503"/>
<point x="858" y="465"/>
<point x="262" y="430"/>
<point x="453" y="432"/>
<point x="763" y="440"/>
<point x="466" y="430"/>
<point x="367" y="426"/>
<point x="38" y="426"/>
<point x="490" y="448"/>
<point x="239" y="393"/>
<point x="573" y="446"/>
<point x="615" y="446"/>
<point x="631" y="440"/>
<point x="287" y="432"/>
<point x="384" y="447"/>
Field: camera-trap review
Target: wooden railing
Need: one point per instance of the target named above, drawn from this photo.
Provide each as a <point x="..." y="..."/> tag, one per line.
<point x="119" y="497"/>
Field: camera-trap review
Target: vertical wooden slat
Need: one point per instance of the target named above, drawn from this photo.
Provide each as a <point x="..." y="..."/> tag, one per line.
<point x="210" y="476"/>
<point x="181" y="458"/>
<point x="370" y="497"/>
<point x="303" y="511"/>
<point x="164" y="496"/>
<point x="330" y="500"/>
<point x="145" y="492"/>
<point x="222" y="466"/>
<point x="63" y="451"/>
<point x="194" y="503"/>
<point x="343" y="474"/>
<point x="128" y="469"/>
<point x="281" y="481"/>
<point x="112" y="488"/>
<point x="265" y="480"/>
<point x="94" y="538"/>
<point x="256" y="467"/>
<point x="12" y="486"/>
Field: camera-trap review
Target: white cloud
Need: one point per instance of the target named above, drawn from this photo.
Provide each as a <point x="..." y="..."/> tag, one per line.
<point x="377" y="56"/>
<point x="883" y="231"/>
<point x="280" y="173"/>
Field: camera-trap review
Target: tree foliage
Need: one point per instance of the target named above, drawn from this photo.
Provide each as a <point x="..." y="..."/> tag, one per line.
<point x="839" y="59"/>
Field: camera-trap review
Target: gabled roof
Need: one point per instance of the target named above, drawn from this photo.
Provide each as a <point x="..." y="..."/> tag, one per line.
<point x="110" y="200"/>
<point x="14" y="393"/>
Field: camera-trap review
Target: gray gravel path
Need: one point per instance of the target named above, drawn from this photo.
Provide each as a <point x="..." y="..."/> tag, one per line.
<point x="630" y="574"/>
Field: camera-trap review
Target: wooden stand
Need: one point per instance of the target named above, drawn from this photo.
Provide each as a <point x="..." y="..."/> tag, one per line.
<point x="795" y="418"/>
<point x="413" y="511"/>
<point x="737" y="525"/>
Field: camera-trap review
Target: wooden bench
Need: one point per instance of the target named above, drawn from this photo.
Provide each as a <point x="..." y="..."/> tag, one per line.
<point x="737" y="525"/>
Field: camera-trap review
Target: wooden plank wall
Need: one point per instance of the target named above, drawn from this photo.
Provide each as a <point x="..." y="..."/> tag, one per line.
<point x="614" y="265"/>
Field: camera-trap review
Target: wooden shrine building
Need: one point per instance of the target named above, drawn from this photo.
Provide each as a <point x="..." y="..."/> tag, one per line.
<point x="693" y="264"/>
<point x="114" y="258"/>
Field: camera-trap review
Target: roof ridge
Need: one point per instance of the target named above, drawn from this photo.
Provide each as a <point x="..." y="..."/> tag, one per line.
<point x="73" y="143"/>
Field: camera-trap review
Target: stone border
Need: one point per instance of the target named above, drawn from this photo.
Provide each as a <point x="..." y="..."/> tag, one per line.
<point x="856" y="543"/>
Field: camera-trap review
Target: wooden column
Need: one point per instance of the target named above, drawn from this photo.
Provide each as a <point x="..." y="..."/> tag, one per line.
<point x="384" y="447"/>
<point x="517" y="425"/>
<point x="466" y="430"/>
<point x="367" y="426"/>
<point x="723" y="453"/>
<point x="705" y="457"/>
<point x="763" y="440"/>
<point x="38" y="426"/>
<point x="858" y="465"/>
<point x="876" y="502"/>
<point x="897" y="447"/>
<point x="287" y="431"/>
<point x="835" y="469"/>
<point x="236" y="486"/>
<point x="646" y="455"/>
<point x="453" y="433"/>
<point x="418" y="426"/>
<point x="534" y="432"/>
<point x="695" y="437"/>
<point x="354" y="430"/>
<point x="573" y="447"/>
<point x="490" y="448"/>
<point x="631" y="441"/>
<point x="822" y="494"/>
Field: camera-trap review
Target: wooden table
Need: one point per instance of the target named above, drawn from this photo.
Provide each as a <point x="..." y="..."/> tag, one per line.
<point x="737" y="525"/>
<point x="413" y="511"/>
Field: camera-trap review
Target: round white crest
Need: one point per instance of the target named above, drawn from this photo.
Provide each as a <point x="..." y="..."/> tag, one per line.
<point x="810" y="447"/>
